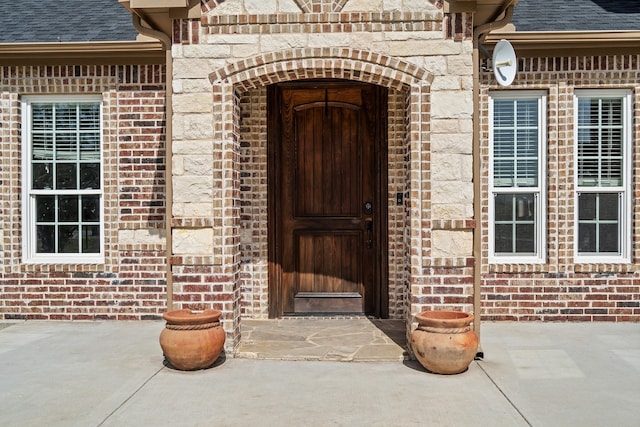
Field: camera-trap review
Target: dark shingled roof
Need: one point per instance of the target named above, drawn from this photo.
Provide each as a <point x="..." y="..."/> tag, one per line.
<point x="106" y="20"/>
<point x="64" y="21"/>
<point x="577" y="15"/>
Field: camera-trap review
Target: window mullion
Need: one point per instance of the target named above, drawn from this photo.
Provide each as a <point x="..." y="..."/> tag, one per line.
<point x="600" y="160"/>
<point x="56" y="224"/>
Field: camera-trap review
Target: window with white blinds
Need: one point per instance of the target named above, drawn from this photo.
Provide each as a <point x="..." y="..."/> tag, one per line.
<point x="63" y="189"/>
<point x="602" y="126"/>
<point x="517" y="149"/>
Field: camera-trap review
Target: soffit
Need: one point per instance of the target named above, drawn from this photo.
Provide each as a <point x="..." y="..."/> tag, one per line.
<point x="82" y="53"/>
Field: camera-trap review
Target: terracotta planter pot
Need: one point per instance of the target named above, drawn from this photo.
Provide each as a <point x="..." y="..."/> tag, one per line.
<point x="444" y="342"/>
<point x="192" y="340"/>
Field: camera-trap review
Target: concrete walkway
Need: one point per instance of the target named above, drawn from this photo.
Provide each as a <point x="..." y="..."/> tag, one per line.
<point x="112" y="374"/>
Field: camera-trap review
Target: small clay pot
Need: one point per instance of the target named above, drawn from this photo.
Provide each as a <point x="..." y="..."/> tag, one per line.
<point x="192" y="340"/>
<point x="444" y="342"/>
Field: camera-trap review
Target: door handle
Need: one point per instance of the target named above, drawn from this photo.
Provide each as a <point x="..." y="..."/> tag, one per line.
<point x="368" y="225"/>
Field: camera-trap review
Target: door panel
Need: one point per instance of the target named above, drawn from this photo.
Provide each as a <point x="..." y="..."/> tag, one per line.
<point x="325" y="166"/>
<point x="328" y="167"/>
<point x="328" y="262"/>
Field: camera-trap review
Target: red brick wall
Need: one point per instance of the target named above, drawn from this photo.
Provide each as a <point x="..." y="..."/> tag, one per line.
<point x="561" y="289"/>
<point x="131" y="283"/>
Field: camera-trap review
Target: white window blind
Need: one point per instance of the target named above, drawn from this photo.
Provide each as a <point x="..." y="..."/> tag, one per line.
<point x="515" y="141"/>
<point x="600" y="139"/>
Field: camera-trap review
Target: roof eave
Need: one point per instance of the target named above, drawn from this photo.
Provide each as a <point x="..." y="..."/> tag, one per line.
<point x="159" y="14"/>
<point x="484" y="11"/>
<point x="82" y="53"/>
<point x="569" y="43"/>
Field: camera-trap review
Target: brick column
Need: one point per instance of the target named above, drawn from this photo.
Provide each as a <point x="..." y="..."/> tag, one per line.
<point x="205" y="215"/>
<point x="226" y="143"/>
<point x="419" y="196"/>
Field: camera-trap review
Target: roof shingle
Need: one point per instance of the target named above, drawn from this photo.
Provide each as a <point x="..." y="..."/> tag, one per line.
<point x="64" y="21"/>
<point x="577" y="15"/>
<point x="107" y="20"/>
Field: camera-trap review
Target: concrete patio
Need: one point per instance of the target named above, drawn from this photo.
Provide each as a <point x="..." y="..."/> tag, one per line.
<point x="112" y="374"/>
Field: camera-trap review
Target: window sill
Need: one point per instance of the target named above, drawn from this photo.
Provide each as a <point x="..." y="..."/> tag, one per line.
<point x="65" y="261"/>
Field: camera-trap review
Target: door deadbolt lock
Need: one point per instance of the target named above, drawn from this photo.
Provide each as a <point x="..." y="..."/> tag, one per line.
<point x="368" y="208"/>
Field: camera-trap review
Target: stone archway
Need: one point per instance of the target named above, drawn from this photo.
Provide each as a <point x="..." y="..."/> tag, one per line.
<point x="231" y="82"/>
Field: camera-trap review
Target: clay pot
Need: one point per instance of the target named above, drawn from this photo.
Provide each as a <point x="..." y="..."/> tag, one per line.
<point x="444" y="342"/>
<point x="192" y="340"/>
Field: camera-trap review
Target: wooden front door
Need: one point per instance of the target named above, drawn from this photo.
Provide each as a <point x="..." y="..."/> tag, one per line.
<point x="327" y="200"/>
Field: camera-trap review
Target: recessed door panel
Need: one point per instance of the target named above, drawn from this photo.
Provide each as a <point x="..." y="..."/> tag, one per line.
<point x="328" y="262"/>
<point x="327" y="160"/>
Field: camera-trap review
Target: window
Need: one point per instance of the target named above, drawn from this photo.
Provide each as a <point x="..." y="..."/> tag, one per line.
<point x="517" y="150"/>
<point x="603" y="155"/>
<point x="63" y="200"/>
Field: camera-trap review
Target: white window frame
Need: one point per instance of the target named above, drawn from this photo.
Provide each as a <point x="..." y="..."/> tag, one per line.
<point x="626" y="203"/>
<point x="539" y="257"/>
<point x="29" y="241"/>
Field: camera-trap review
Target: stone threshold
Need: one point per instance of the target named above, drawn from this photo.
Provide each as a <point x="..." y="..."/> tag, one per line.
<point x="309" y="338"/>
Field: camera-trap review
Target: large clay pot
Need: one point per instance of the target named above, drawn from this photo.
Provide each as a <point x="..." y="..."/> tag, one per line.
<point x="444" y="342"/>
<point x="192" y="340"/>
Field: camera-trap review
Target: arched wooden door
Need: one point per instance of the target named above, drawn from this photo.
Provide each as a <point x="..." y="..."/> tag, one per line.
<point x="327" y="199"/>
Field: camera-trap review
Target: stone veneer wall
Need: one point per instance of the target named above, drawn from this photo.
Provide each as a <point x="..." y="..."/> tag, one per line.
<point x="131" y="283"/>
<point x="222" y="64"/>
<point x="560" y="289"/>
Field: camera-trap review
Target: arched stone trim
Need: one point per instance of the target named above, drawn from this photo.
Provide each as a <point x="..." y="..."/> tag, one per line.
<point x="358" y="65"/>
<point x="352" y="64"/>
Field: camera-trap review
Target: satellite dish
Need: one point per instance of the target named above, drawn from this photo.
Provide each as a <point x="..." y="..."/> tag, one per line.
<point x="504" y="63"/>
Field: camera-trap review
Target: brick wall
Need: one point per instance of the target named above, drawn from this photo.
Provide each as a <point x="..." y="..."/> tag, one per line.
<point x="561" y="289"/>
<point x="131" y="283"/>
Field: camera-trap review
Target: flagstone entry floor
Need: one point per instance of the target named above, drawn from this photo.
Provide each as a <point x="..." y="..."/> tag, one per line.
<point x="351" y="339"/>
